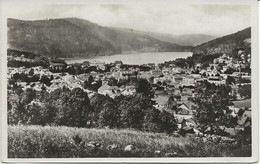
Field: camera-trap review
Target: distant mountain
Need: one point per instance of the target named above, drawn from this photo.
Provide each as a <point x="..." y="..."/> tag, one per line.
<point x="193" y="39"/>
<point x="184" y="40"/>
<point x="73" y="37"/>
<point x="226" y="44"/>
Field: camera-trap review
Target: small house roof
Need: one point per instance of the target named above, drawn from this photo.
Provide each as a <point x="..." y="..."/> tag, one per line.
<point x="191" y="121"/>
<point x="179" y="120"/>
<point x="188" y="129"/>
<point x="183" y="106"/>
<point x="161" y="100"/>
<point x="103" y="88"/>
<point x="112" y="88"/>
<point x="57" y="64"/>
<point x="184" y="111"/>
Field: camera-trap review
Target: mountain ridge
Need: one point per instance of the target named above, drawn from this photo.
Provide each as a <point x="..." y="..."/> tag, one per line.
<point x="184" y="39"/>
<point x="227" y="43"/>
<point x="74" y="37"/>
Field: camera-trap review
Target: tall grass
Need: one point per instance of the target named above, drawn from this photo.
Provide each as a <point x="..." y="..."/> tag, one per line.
<point x="58" y="142"/>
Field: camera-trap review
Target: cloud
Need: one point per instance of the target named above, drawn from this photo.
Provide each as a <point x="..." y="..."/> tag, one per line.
<point x="160" y="17"/>
<point x="222" y="10"/>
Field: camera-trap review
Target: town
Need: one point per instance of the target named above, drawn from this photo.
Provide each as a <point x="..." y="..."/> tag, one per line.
<point x="174" y="84"/>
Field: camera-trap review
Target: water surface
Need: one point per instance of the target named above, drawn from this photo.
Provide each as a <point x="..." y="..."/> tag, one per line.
<point x="136" y="58"/>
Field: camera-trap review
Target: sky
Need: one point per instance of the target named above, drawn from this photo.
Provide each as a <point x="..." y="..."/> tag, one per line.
<point x="171" y="18"/>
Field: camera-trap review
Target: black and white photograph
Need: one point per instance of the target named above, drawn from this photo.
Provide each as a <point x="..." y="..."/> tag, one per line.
<point x="148" y="81"/>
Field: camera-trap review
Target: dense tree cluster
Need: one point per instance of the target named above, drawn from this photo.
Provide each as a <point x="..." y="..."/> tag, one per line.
<point x="74" y="108"/>
<point x="16" y="53"/>
<point x="191" y="61"/>
<point x="91" y="84"/>
<point x="27" y="64"/>
<point x="212" y="106"/>
<point x="30" y="77"/>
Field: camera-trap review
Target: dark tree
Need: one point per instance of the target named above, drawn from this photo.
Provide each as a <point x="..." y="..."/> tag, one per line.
<point x="133" y="109"/>
<point x="230" y="80"/>
<point x="31" y="72"/>
<point x="112" y="82"/>
<point x="229" y="70"/>
<point x="245" y="91"/>
<point x="28" y="96"/>
<point x="109" y="115"/>
<point x="168" y="122"/>
<point x="171" y="104"/>
<point x="73" y="106"/>
<point x="45" y="80"/>
<point x="143" y="86"/>
<point x="212" y="102"/>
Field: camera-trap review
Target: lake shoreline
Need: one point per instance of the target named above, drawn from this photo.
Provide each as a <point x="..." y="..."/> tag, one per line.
<point x="132" y="58"/>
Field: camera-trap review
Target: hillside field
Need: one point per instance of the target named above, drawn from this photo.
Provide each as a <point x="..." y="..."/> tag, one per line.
<point x="67" y="142"/>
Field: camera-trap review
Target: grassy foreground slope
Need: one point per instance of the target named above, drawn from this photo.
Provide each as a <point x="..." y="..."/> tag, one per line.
<point x="61" y="142"/>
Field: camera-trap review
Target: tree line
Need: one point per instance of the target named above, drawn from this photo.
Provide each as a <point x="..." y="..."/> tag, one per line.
<point x="74" y="108"/>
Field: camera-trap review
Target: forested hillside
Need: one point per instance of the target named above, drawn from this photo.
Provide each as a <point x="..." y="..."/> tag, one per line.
<point x="226" y="44"/>
<point x="73" y="37"/>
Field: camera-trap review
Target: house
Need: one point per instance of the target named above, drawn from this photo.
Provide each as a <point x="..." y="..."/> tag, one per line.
<point x="57" y="66"/>
<point x="116" y="75"/>
<point x="177" y="92"/>
<point x="176" y="70"/>
<point x="188" y="81"/>
<point x="216" y="80"/>
<point x="224" y="76"/>
<point x="187" y="130"/>
<point x="98" y="64"/>
<point x="185" y="122"/>
<point x="166" y="71"/>
<point x="111" y="91"/>
<point x="216" y="61"/>
<point x="160" y="102"/>
<point x="185" y="97"/>
<point x="244" y="118"/>
<point x="184" y="110"/>
<point x="224" y="68"/>
<point x="181" y="122"/>
<point x="128" y="90"/>
<point x="118" y="64"/>
<point x="234" y="110"/>
<point x="214" y="66"/>
<point x="151" y="65"/>
<point x="156" y="72"/>
<point x="187" y="91"/>
<point x="177" y="79"/>
<point x="102" y="90"/>
<point x="144" y="75"/>
<point x="190" y="105"/>
<point x="198" y="66"/>
<point x="190" y="122"/>
<point x="168" y="78"/>
<point x="197" y="76"/>
<point x="160" y="91"/>
<point x="159" y="79"/>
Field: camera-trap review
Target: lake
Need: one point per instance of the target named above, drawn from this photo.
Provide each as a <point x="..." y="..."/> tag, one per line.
<point x="136" y="58"/>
